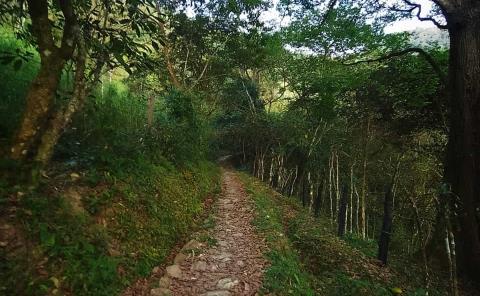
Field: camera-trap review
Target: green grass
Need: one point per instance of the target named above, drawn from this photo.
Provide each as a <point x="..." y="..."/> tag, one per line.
<point x="131" y="220"/>
<point x="140" y="190"/>
<point x="285" y="275"/>
<point x="308" y="259"/>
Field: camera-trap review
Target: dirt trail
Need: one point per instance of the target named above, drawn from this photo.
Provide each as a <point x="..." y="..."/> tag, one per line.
<point x="234" y="265"/>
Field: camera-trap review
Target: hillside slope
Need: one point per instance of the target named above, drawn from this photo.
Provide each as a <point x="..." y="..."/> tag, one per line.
<point x="94" y="230"/>
<point x="308" y="259"/>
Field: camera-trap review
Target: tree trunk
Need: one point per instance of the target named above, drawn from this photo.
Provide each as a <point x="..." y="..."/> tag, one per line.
<point x="40" y="98"/>
<point x="310" y="192"/>
<point x="363" y="202"/>
<point x="386" y="226"/>
<point x="41" y="94"/>
<point x="337" y="184"/>
<point x="317" y="205"/>
<point x="62" y="117"/>
<point x="294" y="181"/>
<point x="351" y="197"/>
<point x="330" y="180"/>
<point x="304" y="190"/>
<point x="342" y="213"/>
<point x="462" y="170"/>
<point x="150" y="111"/>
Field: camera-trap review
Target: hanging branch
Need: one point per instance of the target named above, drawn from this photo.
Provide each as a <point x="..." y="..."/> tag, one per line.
<point x="436" y="68"/>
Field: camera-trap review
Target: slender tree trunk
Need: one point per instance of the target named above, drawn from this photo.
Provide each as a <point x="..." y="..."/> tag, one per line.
<point x="310" y="192"/>
<point x="423" y="242"/>
<point x="294" y="181"/>
<point x="363" y="203"/>
<point x="351" y="197"/>
<point x="150" y="110"/>
<point x="337" y="184"/>
<point x="386" y="226"/>
<point x="255" y="159"/>
<point x="357" y="210"/>
<point x="342" y="213"/>
<point x="462" y="170"/>
<point x="270" y="173"/>
<point x="304" y="190"/>
<point x="330" y="193"/>
<point x="318" y="198"/>
<point x="452" y="260"/>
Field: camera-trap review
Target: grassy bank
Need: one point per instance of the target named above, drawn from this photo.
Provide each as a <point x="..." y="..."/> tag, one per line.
<point x="92" y="232"/>
<point x="308" y="259"/>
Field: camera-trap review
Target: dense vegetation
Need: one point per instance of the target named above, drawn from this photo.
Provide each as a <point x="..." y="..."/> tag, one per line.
<point x="113" y="111"/>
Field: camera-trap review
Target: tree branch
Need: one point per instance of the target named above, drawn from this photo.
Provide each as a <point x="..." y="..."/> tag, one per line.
<point x="418" y="7"/>
<point x="69" y="29"/>
<point x="444" y="5"/>
<point x="436" y="68"/>
<point x="41" y="26"/>
<point x="330" y="7"/>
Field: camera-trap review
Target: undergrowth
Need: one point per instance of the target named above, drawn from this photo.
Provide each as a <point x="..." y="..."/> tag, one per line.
<point x="306" y="258"/>
<point x="118" y="195"/>
<point x="285" y="275"/>
<point x="127" y="224"/>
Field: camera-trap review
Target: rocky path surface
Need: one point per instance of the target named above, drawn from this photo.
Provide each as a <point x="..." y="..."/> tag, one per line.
<point x="233" y="264"/>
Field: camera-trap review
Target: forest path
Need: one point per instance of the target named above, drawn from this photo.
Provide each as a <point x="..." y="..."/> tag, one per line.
<point x="234" y="264"/>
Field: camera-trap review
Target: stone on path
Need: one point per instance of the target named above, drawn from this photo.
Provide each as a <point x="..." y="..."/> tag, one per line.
<point x="226" y="283"/>
<point x="164" y="282"/>
<point x="217" y="293"/>
<point x="240" y="263"/>
<point x="200" y="266"/>
<point x="179" y="258"/>
<point x="192" y="245"/>
<point x="174" y="271"/>
<point x="160" y="292"/>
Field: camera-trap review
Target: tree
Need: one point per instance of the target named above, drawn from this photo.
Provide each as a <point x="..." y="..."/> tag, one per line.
<point x="462" y="165"/>
<point x="42" y="90"/>
<point x="95" y="36"/>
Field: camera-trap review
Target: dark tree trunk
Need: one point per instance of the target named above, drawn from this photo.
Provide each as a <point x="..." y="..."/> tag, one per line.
<point x="304" y="191"/>
<point x="386" y="225"/>
<point x="462" y="170"/>
<point x="317" y="204"/>
<point x="342" y="213"/>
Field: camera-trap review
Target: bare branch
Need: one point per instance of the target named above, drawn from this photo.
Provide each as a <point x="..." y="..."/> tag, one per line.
<point x="201" y="74"/>
<point x="436" y="68"/>
<point x="418" y="8"/>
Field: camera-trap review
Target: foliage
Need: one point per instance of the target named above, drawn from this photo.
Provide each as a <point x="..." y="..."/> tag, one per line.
<point x="329" y="265"/>
<point x="285" y="275"/>
<point x="132" y="217"/>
